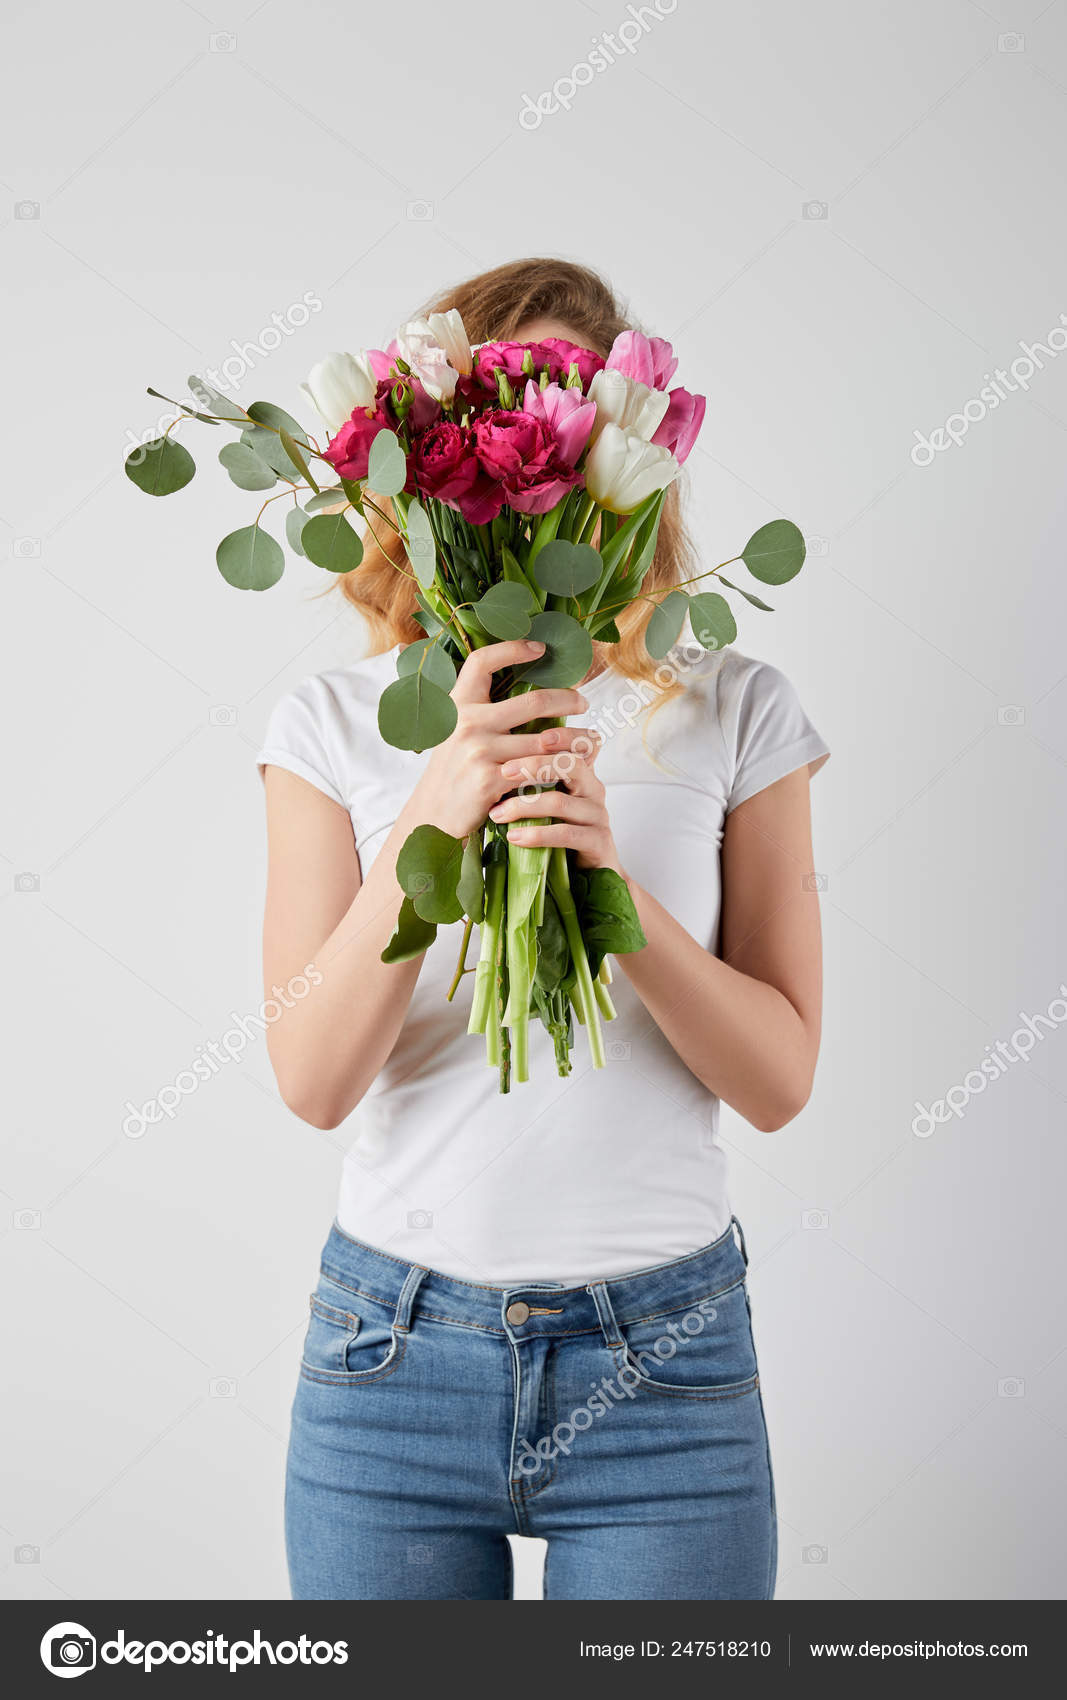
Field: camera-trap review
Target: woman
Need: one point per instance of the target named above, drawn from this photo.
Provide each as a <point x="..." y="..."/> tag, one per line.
<point x="532" y="1314"/>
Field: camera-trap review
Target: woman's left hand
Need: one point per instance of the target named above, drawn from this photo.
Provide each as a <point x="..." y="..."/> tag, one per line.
<point x="575" y="814"/>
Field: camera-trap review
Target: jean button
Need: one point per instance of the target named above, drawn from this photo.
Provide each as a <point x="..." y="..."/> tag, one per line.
<point x="518" y="1313"/>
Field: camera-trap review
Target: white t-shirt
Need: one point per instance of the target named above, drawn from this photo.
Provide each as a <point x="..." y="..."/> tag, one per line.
<point x="602" y="1172"/>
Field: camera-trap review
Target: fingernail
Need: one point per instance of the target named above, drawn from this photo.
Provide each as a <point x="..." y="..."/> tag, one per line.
<point x="510" y="770"/>
<point x="534" y="647"/>
<point x="495" y="814"/>
<point x="518" y="836"/>
<point x="550" y="740"/>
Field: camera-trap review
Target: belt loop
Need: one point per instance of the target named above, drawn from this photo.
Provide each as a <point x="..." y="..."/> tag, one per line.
<point x="414" y="1280"/>
<point x="599" y="1294"/>
<point x="740" y="1238"/>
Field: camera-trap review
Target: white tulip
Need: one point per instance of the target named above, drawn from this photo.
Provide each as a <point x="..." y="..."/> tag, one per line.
<point x="622" y="469"/>
<point x="450" y="332"/>
<point x="337" y="386"/>
<point x="623" y="401"/>
<point x="420" y="346"/>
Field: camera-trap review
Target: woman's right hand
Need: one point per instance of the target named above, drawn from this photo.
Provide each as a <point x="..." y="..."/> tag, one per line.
<point x="463" y="780"/>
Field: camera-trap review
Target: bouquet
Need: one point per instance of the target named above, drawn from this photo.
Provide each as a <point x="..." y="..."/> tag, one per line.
<point x="526" y="481"/>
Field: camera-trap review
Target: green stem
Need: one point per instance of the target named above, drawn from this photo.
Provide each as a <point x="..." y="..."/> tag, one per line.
<point x="490" y="931"/>
<point x="461" y="966"/>
<point x="560" y="886"/>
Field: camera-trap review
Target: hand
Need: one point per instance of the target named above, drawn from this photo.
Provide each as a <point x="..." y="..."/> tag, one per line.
<point x="465" y="775"/>
<point x="576" y="815"/>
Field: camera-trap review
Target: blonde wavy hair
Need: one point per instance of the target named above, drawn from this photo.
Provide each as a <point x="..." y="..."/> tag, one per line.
<point x="494" y="306"/>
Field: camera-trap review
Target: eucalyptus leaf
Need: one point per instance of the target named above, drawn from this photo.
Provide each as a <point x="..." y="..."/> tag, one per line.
<point x="566" y="569"/>
<point x="775" y="553"/>
<point x="470" y="889"/>
<point x="748" y="596"/>
<point x="334" y="497"/>
<point x="387" y="467"/>
<point x="295" y="521"/>
<point x="330" y="542"/>
<point x="419" y="543"/>
<point x="427" y="871"/>
<point x="268" y="446"/>
<point x="214" y="402"/>
<point x="415" y="714"/>
<point x="568" y="653"/>
<point x="245" y="468"/>
<point x="506" y="608"/>
<point x="205" y="418"/>
<point x="712" y="620"/>
<point x="411" y="936"/>
<point x="160" y="467"/>
<point x="661" y="633"/>
<point x="293" y="450"/>
<point x="430" y="657"/>
<point x="250" y="559"/>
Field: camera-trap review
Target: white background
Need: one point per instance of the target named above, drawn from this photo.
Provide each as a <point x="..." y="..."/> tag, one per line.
<point x="172" y="177"/>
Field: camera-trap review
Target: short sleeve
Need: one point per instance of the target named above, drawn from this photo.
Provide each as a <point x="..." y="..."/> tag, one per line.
<point x="295" y="740"/>
<point x="765" y="729"/>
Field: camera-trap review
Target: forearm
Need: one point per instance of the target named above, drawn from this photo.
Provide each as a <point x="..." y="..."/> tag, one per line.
<point x="328" y="1048"/>
<point x="741" y="1037"/>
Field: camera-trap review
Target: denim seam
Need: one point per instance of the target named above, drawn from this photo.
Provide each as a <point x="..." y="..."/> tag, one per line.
<point x="531" y="1492"/>
<point x="358" y="1377"/>
<point x="728" y="1389"/>
<point x="720" y="1293"/>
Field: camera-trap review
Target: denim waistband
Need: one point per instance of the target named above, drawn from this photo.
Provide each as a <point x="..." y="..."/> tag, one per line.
<point x="525" y="1309"/>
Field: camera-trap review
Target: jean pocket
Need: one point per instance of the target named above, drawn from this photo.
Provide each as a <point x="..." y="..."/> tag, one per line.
<point x="702" y="1352"/>
<point x="349" y="1340"/>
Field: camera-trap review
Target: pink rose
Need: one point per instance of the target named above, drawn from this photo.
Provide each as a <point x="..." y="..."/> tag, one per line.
<point x="560" y="356"/>
<point x="349" y="451"/>
<point x="680" y="425"/>
<point x="554" y="353"/>
<point x="445" y="466"/>
<point x="649" y="360"/>
<point x="519" y="453"/>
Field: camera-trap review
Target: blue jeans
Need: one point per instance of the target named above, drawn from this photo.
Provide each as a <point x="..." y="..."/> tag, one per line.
<point x="621" y="1420"/>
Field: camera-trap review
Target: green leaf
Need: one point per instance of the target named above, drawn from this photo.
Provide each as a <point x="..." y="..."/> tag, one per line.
<point x="295" y="521"/>
<point x="265" y="413"/>
<point x="431" y="658"/>
<point x="661" y="633"/>
<point x="419" y="543"/>
<point x="606" y="913"/>
<point x="292" y="449"/>
<point x="775" y="553"/>
<point x="205" y="418"/>
<point x="160" y="467"/>
<point x="325" y="499"/>
<point x="330" y="542"/>
<point x="606" y="631"/>
<point x="712" y="620"/>
<point x="250" y="559"/>
<point x="747" y="594"/>
<point x="387" y="467"/>
<point x="354" y="492"/>
<point x="505" y="609"/>
<point x="553" y="951"/>
<point x="214" y="402"/>
<point x="566" y="569"/>
<point x="411" y="936"/>
<point x="568" y="654"/>
<point x="245" y="468"/>
<point x="471" y="887"/>
<point x="265" y="437"/>
<point x="427" y="871"/>
<point x="414" y="714"/>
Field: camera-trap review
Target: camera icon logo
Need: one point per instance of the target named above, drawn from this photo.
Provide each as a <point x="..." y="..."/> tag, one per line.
<point x="27" y="882"/>
<point x="68" y="1649"/>
<point x="26" y="210"/>
<point x="618" y="1050"/>
<point x="816" y="1219"/>
<point x="420" y="1218"/>
<point x="223" y="1387"/>
<point x="25" y="1221"/>
<point x="222" y="42"/>
<point x="223" y="714"/>
<point x="1011" y="42"/>
<point x="420" y="210"/>
<point x="27" y="1554"/>
<point x="816" y="882"/>
<point x="27" y="549"/>
<point x="1011" y="1387"/>
<point x="1011" y="714"/>
<point x="815" y="1555"/>
<point x="818" y="546"/>
<point x="816" y="210"/>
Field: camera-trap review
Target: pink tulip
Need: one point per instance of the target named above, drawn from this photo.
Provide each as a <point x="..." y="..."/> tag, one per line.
<point x="566" y="414"/>
<point x="649" y="360"/>
<point x="681" y="423"/>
